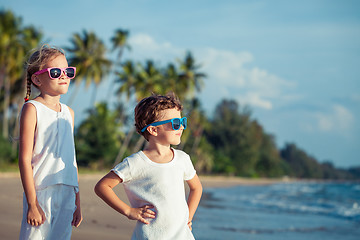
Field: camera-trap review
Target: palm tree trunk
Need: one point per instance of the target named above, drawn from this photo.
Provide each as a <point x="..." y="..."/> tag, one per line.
<point x="124" y="146"/>
<point x="16" y="134"/>
<point x="2" y="77"/>
<point x="73" y="95"/>
<point x="197" y="140"/>
<point x="182" y="144"/>
<point x="5" y="127"/>
<point x="93" y="97"/>
<point x="139" y="144"/>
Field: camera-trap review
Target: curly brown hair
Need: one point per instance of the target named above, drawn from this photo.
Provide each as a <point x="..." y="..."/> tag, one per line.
<point x="37" y="61"/>
<point x="148" y="110"/>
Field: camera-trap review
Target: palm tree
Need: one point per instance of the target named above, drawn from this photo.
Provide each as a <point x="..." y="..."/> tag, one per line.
<point x="88" y="55"/>
<point x="127" y="78"/>
<point x="149" y="80"/>
<point x="9" y="32"/>
<point x="14" y="44"/>
<point x="139" y="81"/>
<point x="96" y="146"/>
<point x="171" y="78"/>
<point x="30" y="38"/>
<point x="189" y="77"/>
<point x="119" y="41"/>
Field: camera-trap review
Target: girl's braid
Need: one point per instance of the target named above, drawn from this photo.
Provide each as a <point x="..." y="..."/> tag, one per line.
<point x="28" y="89"/>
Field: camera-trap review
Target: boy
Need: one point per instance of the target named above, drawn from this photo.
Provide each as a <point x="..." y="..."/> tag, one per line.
<point x="154" y="178"/>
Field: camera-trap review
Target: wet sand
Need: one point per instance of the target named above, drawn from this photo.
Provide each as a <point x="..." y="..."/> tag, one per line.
<point x="100" y="221"/>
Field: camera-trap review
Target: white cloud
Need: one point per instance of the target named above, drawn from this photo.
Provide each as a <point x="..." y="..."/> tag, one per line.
<point x="253" y="99"/>
<point x="228" y="73"/>
<point x="146" y="47"/>
<point x="249" y="85"/>
<point x="144" y="41"/>
<point x="339" y="119"/>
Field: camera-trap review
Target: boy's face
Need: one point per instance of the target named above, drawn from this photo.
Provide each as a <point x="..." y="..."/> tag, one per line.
<point x="165" y="133"/>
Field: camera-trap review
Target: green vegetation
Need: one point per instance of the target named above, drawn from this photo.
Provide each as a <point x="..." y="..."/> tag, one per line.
<point x="230" y="142"/>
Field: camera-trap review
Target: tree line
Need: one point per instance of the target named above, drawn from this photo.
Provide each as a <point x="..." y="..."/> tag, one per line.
<point x="229" y="142"/>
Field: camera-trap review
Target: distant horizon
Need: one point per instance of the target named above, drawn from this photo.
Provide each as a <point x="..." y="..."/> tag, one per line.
<point x="294" y="63"/>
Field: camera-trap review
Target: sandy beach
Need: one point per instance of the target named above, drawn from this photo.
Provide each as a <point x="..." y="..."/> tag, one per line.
<point x="100" y="221"/>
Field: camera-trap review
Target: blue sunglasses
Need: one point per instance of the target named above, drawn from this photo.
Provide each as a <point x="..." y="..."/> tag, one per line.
<point x="175" y="123"/>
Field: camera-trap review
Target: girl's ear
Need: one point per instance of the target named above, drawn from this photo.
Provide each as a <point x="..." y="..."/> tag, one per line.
<point x="35" y="79"/>
<point x="152" y="130"/>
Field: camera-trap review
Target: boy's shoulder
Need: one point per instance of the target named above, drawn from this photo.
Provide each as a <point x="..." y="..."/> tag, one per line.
<point x="180" y="153"/>
<point x="133" y="157"/>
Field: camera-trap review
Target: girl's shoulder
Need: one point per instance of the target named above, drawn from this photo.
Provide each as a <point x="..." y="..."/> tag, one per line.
<point x="34" y="104"/>
<point x="28" y="115"/>
<point x="28" y="108"/>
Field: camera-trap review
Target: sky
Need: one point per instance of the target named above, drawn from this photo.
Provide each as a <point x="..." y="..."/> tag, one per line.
<point x="296" y="64"/>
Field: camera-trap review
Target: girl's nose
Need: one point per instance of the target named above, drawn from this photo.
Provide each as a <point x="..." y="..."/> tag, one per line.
<point x="63" y="74"/>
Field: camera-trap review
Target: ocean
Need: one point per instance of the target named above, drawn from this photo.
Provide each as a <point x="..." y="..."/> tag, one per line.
<point x="290" y="211"/>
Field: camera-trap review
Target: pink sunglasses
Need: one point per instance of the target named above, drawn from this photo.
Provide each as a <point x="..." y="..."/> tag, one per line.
<point x="55" y="73"/>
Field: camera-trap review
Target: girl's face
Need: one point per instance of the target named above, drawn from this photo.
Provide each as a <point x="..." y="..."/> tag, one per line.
<point x="53" y="87"/>
<point x="166" y="134"/>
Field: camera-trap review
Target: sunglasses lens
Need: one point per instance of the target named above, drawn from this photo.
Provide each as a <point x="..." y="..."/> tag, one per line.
<point x="55" y="72"/>
<point x="70" y="72"/>
<point x="176" y="124"/>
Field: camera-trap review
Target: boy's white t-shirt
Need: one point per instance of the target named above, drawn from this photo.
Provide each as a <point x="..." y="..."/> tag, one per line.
<point x="160" y="185"/>
<point x="53" y="159"/>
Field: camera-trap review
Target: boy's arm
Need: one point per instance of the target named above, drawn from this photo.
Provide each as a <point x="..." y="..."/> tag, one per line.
<point x="194" y="196"/>
<point x="35" y="215"/>
<point x="104" y="189"/>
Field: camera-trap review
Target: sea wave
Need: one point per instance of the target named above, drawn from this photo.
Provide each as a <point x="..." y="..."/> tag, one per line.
<point x="337" y="200"/>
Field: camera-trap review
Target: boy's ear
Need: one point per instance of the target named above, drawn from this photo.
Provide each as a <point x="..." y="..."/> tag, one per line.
<point x="35" y="79"/>
<point x="152" y="130"/>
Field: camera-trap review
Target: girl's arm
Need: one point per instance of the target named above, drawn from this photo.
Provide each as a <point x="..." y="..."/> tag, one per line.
<point x="35" y="215"/>
<point x="104" y="189"/>
<point x="77" y="216"/>
<point x="194" y="196"/>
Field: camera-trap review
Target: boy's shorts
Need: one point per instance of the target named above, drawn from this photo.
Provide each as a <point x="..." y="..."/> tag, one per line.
<point x="58" y="204"/>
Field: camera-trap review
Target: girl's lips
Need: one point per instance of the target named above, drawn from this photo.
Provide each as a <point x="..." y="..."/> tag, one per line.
<point x="63" y="83"/>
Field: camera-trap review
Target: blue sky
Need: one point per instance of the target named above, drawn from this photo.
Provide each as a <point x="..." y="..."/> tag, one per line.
<point x="295" y="63"/>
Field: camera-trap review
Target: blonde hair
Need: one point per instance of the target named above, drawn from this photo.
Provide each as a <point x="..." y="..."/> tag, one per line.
<point x="37" y="61"/>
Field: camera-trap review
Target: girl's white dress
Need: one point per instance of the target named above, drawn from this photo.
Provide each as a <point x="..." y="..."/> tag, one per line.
<point x="55" y="173"/>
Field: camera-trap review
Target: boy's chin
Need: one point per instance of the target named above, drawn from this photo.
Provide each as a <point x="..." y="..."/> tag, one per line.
<point x="176" y="143"/>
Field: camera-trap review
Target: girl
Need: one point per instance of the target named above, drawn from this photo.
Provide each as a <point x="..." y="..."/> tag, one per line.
<point x="47" y="161"/>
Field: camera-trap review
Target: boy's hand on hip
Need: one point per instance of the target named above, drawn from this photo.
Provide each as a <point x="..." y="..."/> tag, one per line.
<point x="141" y="213"/>
<point x="190" y="225"/>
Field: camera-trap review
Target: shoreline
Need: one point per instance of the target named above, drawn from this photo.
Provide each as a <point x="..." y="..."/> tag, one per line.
<point x="207" y="180"/>
<point x="210" y="181"/>
<point x="99" y="220"/>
